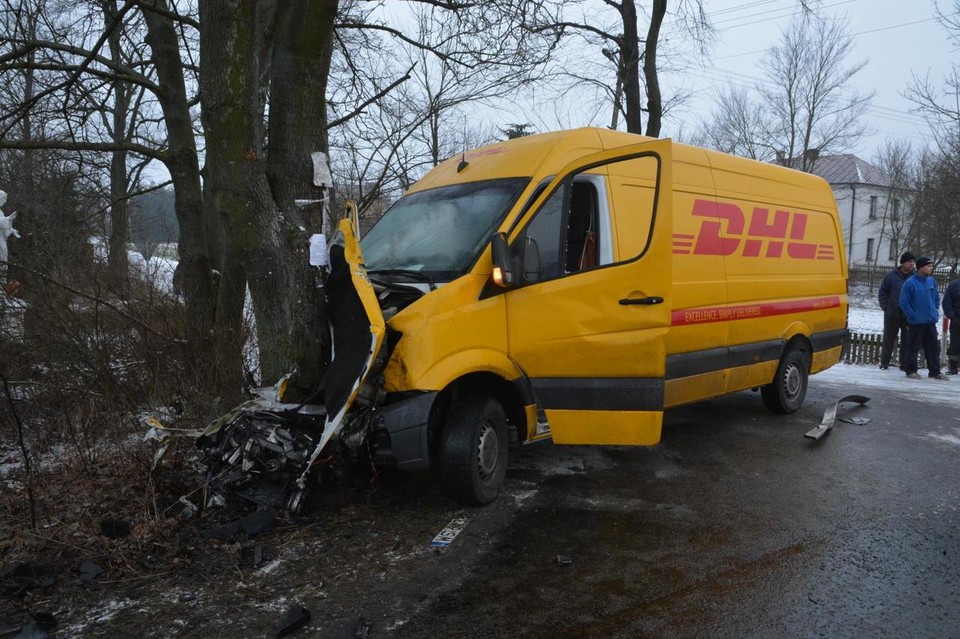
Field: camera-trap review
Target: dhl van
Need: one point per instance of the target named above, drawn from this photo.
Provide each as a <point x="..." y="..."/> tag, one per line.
<point x="571" y="286"/>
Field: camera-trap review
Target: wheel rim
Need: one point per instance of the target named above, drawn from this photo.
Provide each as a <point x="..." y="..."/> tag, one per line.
<point x="488" y="451"/>
<point x="792" y="381"/>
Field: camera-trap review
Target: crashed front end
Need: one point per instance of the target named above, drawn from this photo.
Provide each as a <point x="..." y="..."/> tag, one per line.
<point x="268" y="451"/>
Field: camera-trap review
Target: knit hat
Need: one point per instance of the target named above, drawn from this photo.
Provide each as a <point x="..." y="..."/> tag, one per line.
<point x="907" y="257"/>
<point x="923" y="261"/>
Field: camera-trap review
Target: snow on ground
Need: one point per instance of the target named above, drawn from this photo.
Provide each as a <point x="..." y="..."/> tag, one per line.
<point x="864" y="315"/>
<point x="869" y="379"/>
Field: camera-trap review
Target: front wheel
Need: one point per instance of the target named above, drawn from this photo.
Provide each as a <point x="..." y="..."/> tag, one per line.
<point x="473" y="450"/>
<point x="786" y="392"/>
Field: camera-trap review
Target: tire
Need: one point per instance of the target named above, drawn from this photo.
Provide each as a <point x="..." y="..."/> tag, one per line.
<point x="785" y="394"/>
<point x="473" y="450"/>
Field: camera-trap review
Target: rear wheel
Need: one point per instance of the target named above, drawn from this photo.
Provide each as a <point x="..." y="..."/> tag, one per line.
<point x="786" y="392"/>
<point x="473" y="450"/>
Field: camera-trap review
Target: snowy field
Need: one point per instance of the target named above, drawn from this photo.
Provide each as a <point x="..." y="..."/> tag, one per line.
<point x="865" y="315"/>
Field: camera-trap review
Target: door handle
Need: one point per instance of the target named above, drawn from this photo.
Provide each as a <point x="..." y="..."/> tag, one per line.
<point x="646" y="301"/>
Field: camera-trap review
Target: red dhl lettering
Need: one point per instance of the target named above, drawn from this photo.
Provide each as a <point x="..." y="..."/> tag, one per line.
<point x="704" y="315"/>
<point x="725" y="231"/>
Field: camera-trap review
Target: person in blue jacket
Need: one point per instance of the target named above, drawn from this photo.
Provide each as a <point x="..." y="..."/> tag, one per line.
<point x="920" y="301"/>
<point x="894" y="323"/>
<point x="951" y="308"/>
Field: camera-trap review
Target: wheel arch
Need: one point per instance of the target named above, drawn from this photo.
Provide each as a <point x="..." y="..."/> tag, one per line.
<point x="482" y="383"/>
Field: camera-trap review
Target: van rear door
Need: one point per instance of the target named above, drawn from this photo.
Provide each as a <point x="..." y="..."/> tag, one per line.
<point x="588" y="318"/>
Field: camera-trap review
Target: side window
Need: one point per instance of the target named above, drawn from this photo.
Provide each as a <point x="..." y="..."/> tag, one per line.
<point x="589" y="220"/>
<point x="537" y="249"/>
<point x="561" y="239"/>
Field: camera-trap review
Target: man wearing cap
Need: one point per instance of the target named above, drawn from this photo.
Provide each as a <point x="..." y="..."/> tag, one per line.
<point x="894" y="321"/>
<point x="920" y="301"/>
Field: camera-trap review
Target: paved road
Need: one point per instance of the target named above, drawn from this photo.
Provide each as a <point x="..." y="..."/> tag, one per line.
<point x="735" y="526"/>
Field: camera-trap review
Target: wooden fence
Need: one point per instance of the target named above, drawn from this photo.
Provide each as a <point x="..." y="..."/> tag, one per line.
<point x="864" y="348"/>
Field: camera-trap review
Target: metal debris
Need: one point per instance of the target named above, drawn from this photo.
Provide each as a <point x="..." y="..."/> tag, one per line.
<point x="297" y="617"/>
<point x="830" y="415"/>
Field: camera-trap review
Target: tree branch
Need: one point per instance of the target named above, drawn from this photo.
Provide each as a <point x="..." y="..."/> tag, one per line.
<point x="335" y="123"/>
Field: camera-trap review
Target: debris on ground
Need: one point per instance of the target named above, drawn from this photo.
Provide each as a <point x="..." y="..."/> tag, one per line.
<point x="114" y="528"/>
<point x="252" y="525"/>
<point x="830" y="415"/>
<point x="450" y="532"/>
<point x="90" y="572"/>
<point x="297" y="616"/>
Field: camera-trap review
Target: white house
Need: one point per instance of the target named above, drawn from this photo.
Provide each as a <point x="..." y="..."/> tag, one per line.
<point x="872" y="210"/>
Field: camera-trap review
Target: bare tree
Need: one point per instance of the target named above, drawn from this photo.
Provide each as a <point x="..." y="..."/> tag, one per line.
<point x="937" y="220"/>
<point x="805" y="108"/>
<point x="612" y="28"/>
<point x="896" y="160"/>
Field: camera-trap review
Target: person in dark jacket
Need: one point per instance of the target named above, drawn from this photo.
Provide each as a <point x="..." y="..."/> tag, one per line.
<point x="951" y="308"/>
<point x="894" y="322"/>
<point x="920" y="302"/>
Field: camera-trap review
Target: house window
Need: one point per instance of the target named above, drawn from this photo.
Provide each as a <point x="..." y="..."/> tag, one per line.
<point x="870" y="249"/>
<point x="893" y="249"/>
<point x="873" y="207"/>
<point x="895" y="215"/>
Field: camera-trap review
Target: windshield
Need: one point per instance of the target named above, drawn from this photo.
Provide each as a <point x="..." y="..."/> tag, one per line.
<point x="440" y="232"/>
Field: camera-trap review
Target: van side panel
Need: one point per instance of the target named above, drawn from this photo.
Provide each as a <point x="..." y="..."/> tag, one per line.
<point x="785" y="265"/>
<point x="696" y="368"/>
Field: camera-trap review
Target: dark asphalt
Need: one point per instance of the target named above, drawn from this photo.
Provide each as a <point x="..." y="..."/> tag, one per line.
<point x="734" y="526"/>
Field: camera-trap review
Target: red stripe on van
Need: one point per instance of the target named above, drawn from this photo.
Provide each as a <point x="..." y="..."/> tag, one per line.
<point x="709" y="314"/>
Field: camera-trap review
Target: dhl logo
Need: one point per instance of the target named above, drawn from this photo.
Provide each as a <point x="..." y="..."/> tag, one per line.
<point x="766" y="236"/>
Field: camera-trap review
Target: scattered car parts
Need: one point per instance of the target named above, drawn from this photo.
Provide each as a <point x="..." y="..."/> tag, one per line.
<point x="830" y="415"/>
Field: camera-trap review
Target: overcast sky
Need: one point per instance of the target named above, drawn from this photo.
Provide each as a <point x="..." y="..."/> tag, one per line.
<point x="895" y="37"/>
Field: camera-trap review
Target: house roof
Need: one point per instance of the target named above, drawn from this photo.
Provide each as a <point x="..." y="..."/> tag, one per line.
<point x="849" y="169"/>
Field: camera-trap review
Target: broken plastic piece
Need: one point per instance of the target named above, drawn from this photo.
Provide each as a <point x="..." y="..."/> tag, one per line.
<point x="90" y="572"/>
<point x="114" y="528"/>
<point x="251" y="525"/>
<point x="297" y="616"/>
<point x="859" y="421"/>
<point x="830" y="415"/>
<point x="23" y="579"/>
<point x="251" y="555"/>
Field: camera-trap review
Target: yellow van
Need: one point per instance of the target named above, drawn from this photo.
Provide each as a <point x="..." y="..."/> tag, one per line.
<point x="571" y="286"/>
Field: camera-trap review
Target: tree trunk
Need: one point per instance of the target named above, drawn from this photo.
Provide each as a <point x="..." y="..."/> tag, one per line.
<point x="654" y="99"/>
<point x="630" y="61"/>
<point x="254" y="195"/>
<point x="118" y="269"/>
<point x="298" y="127"/>
<point x="194" y="274"/>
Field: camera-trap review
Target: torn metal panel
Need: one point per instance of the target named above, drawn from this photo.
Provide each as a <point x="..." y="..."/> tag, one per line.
<point x="830" y="415"/>
<point x="352" y="300"/>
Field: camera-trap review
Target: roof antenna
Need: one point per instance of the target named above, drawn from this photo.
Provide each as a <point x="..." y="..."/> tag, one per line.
<point x="463" y="157"/>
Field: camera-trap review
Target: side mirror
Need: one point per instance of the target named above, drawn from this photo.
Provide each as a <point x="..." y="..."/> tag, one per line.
<point x="502" y="269"/>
